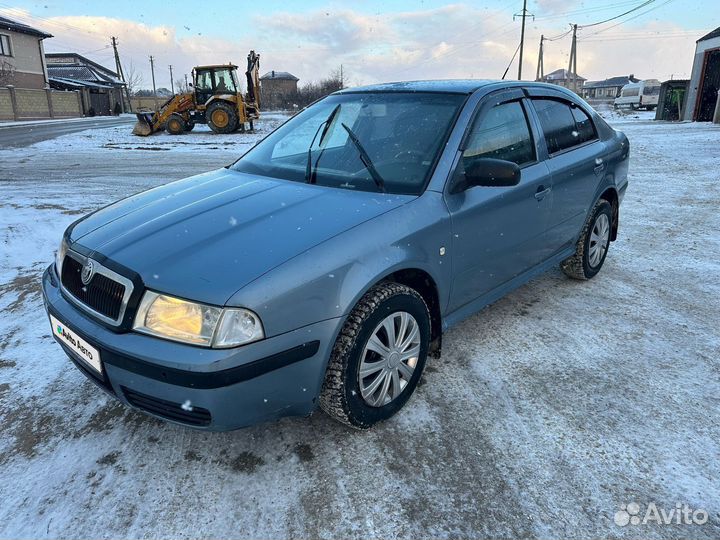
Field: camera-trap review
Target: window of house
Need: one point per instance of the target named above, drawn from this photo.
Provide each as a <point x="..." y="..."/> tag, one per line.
<point x="564" y="125"/>
<point x="503" y="133"/>
<point x="5" y="45"/>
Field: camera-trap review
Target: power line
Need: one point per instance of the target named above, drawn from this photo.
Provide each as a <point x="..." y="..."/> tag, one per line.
<point x="631" y="18"/>
<point x="585" y="11"/>
<point x="649" y="37"/>
<point x="51" y="21"/>
<point x="647" y="2"/>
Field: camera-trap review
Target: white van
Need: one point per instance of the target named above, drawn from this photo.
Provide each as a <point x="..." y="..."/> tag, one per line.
<point x="639" y="95"/>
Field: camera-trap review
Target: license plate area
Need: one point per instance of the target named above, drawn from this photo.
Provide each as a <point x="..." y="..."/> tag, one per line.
<point x="80" y="348"/>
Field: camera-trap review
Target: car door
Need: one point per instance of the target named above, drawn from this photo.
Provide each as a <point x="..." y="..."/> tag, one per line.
<point x="576" y="162"/>
<point x="498" y="232"/>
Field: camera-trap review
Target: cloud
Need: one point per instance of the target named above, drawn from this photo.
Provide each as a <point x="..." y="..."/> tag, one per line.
<point x="453" y="41"/>
<point x="554" y="6"/>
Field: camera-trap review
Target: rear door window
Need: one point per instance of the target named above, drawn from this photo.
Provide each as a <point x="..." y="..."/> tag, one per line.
<point x="583" y="125"/>
<point x="502" y="133"/>
<point x="564" y="126"/>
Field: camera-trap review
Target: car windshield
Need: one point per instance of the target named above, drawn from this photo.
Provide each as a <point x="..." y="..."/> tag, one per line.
<point x="362" y="141"/>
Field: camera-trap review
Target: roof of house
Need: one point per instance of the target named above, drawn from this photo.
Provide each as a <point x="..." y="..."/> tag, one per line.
<point x="75" y="66"/>
<point x="64" y="82"/>
<point x="715" y="33"/>
<point x="562" y="75"/>
<point x="279" y="75"/>
<point x="611" y="82"/>
<point x="14" y="26"/>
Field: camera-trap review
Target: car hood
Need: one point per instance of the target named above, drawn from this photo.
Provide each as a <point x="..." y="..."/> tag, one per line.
<point x="207" y="236"/>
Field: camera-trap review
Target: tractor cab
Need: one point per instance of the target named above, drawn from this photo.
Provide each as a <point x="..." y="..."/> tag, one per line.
<point x="214" y="80"/>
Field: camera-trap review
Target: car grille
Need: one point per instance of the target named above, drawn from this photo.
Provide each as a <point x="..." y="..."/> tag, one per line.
<point x="103" y="294"/>
<point x="194" y="416"/>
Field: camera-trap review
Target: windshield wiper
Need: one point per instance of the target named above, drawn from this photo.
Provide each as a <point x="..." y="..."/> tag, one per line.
<point x="309" y="169"/>
<point x="365" y="158"/>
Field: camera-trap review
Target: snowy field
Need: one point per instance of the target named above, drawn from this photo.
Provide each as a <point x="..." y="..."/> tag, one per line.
<point x="547" y="412"/>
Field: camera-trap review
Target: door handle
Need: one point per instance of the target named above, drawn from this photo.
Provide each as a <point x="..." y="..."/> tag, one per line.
<point x="599" y="168"/>
<point x="541" y="192"/>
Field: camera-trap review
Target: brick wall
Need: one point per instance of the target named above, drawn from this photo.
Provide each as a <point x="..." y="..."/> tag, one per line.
<point x="31" y="104"/>
<point x="146" y="102"/>
<point x="65" y="104"/>
<point x="6" y="109"/>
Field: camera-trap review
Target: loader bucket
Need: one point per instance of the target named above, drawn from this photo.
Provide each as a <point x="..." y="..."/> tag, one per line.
<point x="144" y="125"/>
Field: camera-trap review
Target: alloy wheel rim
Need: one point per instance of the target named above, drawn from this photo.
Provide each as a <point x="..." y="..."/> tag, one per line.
<point x="599" y="239"/>
<point x="389" y="359"/>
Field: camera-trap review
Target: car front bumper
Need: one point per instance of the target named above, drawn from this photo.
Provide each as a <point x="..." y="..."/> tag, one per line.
<point x="211" y="389"/>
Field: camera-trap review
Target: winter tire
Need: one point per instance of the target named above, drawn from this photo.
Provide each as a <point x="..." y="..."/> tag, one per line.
<point x="378" y="357"/>
<point x="593" y="244"/>
<point x="222" y="117"/>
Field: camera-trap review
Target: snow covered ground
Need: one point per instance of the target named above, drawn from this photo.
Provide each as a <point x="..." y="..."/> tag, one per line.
<point x="547" y="411"/>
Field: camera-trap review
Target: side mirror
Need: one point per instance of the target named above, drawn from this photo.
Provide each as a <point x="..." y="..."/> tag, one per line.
<point x="489" y="172"/>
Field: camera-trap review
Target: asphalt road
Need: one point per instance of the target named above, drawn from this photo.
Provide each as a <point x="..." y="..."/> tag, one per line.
<point x="18" y="136"/>
<point x="547" y="414"/>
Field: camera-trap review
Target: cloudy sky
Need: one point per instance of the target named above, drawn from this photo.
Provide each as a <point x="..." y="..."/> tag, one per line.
<point x="377" y="40"/>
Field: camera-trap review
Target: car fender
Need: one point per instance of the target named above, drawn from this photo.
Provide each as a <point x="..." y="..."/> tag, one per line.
<point x="326" y="281"/>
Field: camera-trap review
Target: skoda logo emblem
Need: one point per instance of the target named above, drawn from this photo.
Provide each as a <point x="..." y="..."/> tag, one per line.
<point x="88" y="271"/>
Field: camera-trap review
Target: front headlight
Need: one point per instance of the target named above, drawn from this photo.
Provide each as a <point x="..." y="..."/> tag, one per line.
<point x="189" y="322"/>
<point x="60" y="257"/>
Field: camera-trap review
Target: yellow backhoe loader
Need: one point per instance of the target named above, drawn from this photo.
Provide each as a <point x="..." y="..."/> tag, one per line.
<point x="215" y="99"/>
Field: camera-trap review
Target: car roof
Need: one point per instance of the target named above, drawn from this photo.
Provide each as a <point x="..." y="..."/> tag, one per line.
<point x="446" y="86"/>
<point x="451" y="86"/>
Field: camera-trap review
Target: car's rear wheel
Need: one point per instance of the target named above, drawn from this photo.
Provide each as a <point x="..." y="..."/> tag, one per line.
<point x="593" y="244"/>
<point x="378" y="357"/>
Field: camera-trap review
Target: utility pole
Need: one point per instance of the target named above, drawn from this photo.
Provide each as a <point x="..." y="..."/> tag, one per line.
<point x="540" y="73"/>
<point x="572" y="66"/>
<point x="152" y="70"/>
<point x="119" y="71"/>
<point x="172" y="84"/>
<point x="342" y="80"/>
<point x="186" y="84"/>
<point x="524" y="15"/>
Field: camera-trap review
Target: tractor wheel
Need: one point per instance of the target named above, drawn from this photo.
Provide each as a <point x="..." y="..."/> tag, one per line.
<point x="222" y="117"/>
<point x="175" y="125"/>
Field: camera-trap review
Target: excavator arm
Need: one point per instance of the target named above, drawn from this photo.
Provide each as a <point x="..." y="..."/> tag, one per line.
<point x="252" y="97"/>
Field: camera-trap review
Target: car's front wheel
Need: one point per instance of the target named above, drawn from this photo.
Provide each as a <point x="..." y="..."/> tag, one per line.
<point x="378" y="357"/>
<point x="593" y="244"/>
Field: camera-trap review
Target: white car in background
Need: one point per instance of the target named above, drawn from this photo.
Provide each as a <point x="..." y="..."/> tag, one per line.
<point x="639" y="95"/>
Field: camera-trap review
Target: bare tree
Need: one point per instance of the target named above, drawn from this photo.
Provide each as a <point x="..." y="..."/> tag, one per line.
<point x="180" y="86"/>
<point x="7" y="72"/>
<point x="133" y="78"/>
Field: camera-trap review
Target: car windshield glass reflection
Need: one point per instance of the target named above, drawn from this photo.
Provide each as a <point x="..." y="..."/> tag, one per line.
<point x="390" y="143"/>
